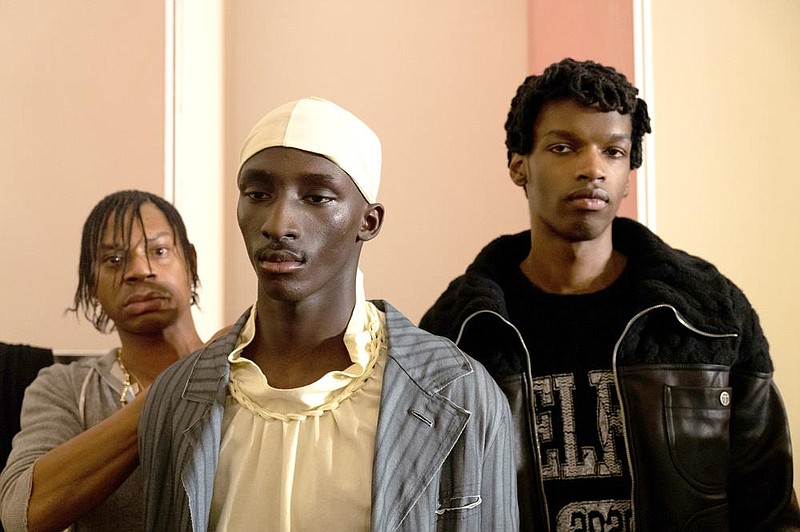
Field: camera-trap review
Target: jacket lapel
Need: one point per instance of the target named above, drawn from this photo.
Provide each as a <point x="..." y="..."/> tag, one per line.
<point x="204" y="401"/>
<point x="417" y="427"/>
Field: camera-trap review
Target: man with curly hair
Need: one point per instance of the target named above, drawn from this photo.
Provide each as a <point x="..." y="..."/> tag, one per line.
<point x="638" y="375"/>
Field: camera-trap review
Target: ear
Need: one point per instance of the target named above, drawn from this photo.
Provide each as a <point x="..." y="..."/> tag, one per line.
<point x="371" y="222"/>
<point x="518" y="170"/>
<point x="627" y="185"/>
<point x="193" y="253"/>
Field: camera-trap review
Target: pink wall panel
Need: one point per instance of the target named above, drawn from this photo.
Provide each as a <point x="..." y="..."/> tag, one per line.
<point x="600" y="30"/>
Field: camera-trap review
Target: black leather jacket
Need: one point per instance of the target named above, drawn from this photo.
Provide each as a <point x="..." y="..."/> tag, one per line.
<point x="706" y="434"/>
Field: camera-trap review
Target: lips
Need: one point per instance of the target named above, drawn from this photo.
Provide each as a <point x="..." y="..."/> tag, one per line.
<point x="590" y="194"/>
<point x="144" y="302"/>
<point x="280" y="260"/>
<point x="142" y="298"/>
<point x="589" y="199"/>
<point x="280" y="255"/>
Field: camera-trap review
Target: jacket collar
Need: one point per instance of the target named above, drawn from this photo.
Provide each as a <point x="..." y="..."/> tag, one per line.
<point x="442" y="364"/>
<point x="659" y="274"/>
<point x="211" y="365"/>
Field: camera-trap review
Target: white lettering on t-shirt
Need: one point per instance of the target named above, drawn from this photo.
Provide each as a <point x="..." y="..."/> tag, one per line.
<point x="574" y="459"/>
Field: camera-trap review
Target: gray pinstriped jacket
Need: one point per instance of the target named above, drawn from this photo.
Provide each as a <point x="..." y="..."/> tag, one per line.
<point x="443" y="450"/>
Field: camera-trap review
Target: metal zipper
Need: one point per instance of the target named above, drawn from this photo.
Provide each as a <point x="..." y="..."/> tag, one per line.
<point x="529" y="384"/>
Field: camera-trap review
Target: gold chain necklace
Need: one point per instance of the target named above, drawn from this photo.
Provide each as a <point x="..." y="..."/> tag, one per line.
<point x="127" y="382"/>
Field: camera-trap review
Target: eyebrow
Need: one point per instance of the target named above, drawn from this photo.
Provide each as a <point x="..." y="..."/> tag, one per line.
<point x="257" y="174"/>
<point x="323" y="178"/>
<point x="105" y="246"/>
<point x="159" y="236"/>
<point x="562" y="133"/>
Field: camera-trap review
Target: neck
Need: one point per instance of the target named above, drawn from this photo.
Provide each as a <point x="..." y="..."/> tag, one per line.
<point x="560" y="267"/>
<point x="146" y="355"/>
<point x="296" y="343"/>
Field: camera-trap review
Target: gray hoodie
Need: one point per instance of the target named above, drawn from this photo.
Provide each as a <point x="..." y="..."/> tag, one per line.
<point x="63" y="401"/>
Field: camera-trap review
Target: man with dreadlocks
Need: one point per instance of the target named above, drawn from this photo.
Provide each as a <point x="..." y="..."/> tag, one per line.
<point x="638" y="375"/>
<point x="75" y="460"/>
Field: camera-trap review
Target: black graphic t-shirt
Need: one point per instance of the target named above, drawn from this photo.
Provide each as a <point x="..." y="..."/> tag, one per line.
<point x="571" y="340"/>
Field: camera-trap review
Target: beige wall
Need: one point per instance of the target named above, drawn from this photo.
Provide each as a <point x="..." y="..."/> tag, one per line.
<point x="81" y="115"/>
<point x="727" y="105"/>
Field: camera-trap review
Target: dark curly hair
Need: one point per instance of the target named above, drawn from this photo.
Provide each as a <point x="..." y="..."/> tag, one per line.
<point x="113" y="209"/>
<point x="586" y="82"/>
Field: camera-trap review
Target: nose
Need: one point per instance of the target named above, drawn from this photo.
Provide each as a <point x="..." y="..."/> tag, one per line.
<point x="138" y="267"/>
<point x="592" y="165"/>
<point x="280" y="220"/>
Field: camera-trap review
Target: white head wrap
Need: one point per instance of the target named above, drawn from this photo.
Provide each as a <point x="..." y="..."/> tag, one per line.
<point x="322" y="127"/>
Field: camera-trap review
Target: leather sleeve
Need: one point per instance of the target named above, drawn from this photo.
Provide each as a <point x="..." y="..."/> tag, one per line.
<point x="760" y="483"/>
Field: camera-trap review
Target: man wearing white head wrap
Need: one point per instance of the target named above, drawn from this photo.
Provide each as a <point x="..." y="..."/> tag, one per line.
<point x="320" y="409"/>
<point x="322" y="127"/>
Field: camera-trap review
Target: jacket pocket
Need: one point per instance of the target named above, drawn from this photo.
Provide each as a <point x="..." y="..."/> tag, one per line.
<point x="459" y="513"/>
<point x="697" y="424"/>
<point x="456" y="504"/>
